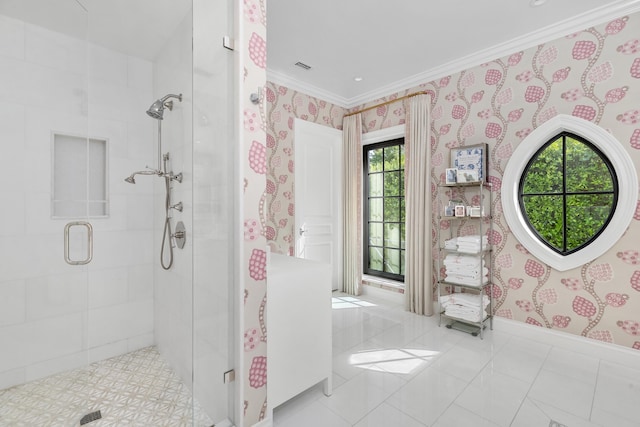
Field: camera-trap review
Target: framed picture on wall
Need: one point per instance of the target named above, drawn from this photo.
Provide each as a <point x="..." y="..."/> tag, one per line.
<point x="471" y="158"/>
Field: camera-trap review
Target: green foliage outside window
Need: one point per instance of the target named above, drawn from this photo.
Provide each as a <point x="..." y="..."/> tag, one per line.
<point x="568" y="193"/>
<point x="384" y="209"/>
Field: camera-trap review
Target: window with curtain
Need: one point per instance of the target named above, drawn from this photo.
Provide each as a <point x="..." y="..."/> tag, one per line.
<point x="384" y="210"/>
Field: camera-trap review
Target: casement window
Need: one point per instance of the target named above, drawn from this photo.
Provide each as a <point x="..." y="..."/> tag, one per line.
<point x="383" y="210"/>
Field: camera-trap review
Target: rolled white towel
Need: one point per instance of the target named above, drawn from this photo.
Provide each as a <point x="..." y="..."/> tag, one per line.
<point x="474" y="238"/>
<point x="451" y="243"/>
<point x="475" y="316"/>
<point x="468" y="250"/>
<point x="466" y="281"/>
<point x="464" y="267"/>
<point x="475" y="277"/>
<point x="461" y="259"/>
<point x="464" y="299"/>
<point x="466" y="271"/>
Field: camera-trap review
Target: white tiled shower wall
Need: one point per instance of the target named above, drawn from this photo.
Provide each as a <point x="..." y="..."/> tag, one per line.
<point x="51" y="312"/>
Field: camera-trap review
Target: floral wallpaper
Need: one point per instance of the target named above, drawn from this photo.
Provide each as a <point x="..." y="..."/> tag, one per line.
<point x="254" y="256"/>
<point x="283" y="107"/>
<point x="593" y="74"/>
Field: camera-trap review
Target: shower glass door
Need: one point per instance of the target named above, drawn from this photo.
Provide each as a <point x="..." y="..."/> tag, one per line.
<point x="45" y="244"/>
<point x="213" y="209"/>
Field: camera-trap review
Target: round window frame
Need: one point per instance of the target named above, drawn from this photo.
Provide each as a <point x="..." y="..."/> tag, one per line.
<point x="614" y="192"/>
<point x="627" y="191"/>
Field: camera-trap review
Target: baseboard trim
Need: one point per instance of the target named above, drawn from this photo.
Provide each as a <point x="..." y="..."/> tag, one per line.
<point x="610" y="352"/>
<point x="267" y="422"/>
<point x="391" y="296"/>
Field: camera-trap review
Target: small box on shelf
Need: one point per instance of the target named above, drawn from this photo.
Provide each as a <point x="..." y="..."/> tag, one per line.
<point x="467" y="176"/>
<point x="475" y="211"/>
<point x="448" y="211"/>
<point x="451" y="176"/>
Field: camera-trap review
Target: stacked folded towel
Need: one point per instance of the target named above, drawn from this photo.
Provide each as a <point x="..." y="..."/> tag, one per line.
<point x="451" y="244"/>
<point x="471" y="244"/>
<point x="465" y="270"/>
<point x="465" y="306"/>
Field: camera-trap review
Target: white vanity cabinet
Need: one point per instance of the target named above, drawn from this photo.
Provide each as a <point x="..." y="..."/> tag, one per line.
<point x="298" y="327"/>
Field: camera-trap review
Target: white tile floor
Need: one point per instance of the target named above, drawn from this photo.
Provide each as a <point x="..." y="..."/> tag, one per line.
<point x="392" y="368"/>
<point x="136" y="389"/>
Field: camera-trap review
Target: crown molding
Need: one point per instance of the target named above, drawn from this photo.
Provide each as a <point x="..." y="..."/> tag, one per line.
<point x="552" y="32"/>
<point x="284" y="80"/>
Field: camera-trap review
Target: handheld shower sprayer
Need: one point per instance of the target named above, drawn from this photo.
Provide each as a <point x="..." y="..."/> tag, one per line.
<point x="131" y="179"/>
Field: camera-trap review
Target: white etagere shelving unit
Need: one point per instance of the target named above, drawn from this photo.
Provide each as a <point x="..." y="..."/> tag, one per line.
<point x="465" y="288"/>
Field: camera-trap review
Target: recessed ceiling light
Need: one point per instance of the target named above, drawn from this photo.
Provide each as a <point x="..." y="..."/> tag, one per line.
<point x="358" y="79"/>
<point x="536" y="3"/>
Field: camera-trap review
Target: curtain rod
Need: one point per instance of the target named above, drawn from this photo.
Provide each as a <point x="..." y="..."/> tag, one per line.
<point x="386" y="103"/>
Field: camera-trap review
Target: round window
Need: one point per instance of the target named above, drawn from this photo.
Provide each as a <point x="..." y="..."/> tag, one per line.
<point x="569" y="192"/>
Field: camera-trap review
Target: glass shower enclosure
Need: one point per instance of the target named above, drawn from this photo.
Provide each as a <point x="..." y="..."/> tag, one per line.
<point x="93" y="329"/>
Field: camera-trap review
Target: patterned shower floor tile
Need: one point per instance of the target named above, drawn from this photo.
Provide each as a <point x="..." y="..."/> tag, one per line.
<point x="136" y="389"/>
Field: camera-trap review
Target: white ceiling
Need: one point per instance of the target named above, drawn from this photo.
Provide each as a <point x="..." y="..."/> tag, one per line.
<point x="135" y="27"/>
<point x="396" y="45"/>
<point x="392" y="45"/>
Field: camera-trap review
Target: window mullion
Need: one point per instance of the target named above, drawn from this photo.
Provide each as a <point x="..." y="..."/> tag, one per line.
<point x="564" y="193"/>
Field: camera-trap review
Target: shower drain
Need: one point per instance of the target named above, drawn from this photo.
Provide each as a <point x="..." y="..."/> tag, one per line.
<point x="91" y="416"/>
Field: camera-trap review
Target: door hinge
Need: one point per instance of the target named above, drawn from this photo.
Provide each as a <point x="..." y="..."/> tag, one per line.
<point x="228" y="43"/>
<point x="229" y="376"/>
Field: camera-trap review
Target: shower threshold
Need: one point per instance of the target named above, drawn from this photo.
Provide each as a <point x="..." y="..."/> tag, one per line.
<point x="134" y="389"/>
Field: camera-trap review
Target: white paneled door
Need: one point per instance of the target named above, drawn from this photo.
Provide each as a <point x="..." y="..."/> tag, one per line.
<point x="318" y="195"/>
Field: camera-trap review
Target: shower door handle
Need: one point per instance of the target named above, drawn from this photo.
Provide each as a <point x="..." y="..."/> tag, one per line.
<point x="89" y="256"/>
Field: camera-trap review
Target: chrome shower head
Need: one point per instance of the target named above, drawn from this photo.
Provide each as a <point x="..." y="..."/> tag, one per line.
<point x="157" y="108"/>
<point x="130" y="179"/>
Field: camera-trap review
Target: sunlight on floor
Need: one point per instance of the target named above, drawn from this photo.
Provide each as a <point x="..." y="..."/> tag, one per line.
<point x="394" y="360"/>
<point x="349" y="302"/>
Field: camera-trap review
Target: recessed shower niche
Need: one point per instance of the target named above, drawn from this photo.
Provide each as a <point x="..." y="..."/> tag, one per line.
<point x="79" y="184"/>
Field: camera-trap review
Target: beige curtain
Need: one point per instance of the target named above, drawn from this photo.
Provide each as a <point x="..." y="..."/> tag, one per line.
<point x="351" y="204"/>
<point x="418" y="260"/>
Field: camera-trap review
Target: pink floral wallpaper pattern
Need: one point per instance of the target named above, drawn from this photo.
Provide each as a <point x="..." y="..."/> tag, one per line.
<point x="593" y="74"/>
<point x="254" y="257"/>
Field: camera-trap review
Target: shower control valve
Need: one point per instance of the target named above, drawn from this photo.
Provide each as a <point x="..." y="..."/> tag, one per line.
<point x="177" y="177"/>
<point x="180" y="235"/>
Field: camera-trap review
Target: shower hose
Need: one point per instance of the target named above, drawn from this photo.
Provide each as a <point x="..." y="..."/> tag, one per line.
<point x="166" y="233"/>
